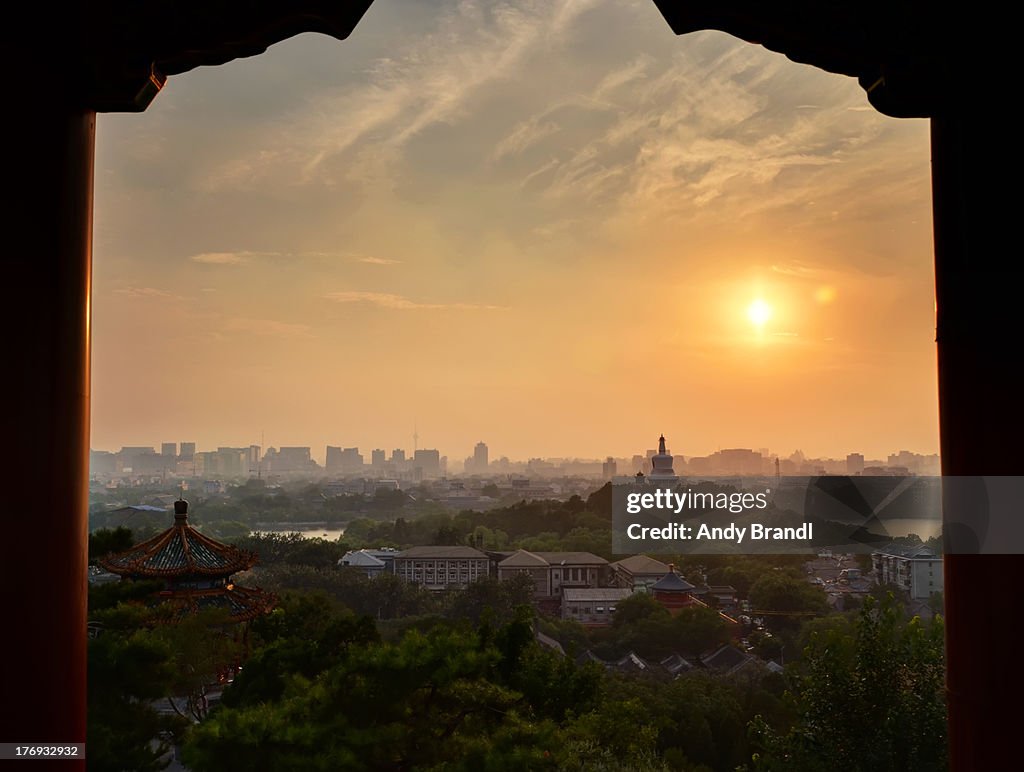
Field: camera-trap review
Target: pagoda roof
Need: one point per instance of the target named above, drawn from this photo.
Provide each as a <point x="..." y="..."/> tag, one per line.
<point x="672" y="582"/>
<point x="241" y="603"/>
<point x="178" y="552"/>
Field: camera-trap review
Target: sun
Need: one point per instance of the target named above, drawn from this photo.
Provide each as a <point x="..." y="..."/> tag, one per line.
<point x="759" y="313"/>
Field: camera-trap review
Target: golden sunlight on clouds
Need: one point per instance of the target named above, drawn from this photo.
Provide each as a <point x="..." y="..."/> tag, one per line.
<point x="511" y="222"/>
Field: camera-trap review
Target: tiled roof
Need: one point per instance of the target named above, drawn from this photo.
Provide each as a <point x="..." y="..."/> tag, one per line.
<point x="642" y="564"/>
<point x="361" y="559"/>
<point x="672" y="582"/>
<point x="523" y="559"/>
<point x="727" y="658"/>
<point x="572" y="558"/>
<point x="441" y="552"/>
<point x="179" y="552"/>
<point x="241" y="603"/>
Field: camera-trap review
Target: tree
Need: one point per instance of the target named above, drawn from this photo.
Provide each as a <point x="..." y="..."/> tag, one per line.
<point x="635" y="608"/>
<point x="107" y="540"/>
<point x="125" y="675"/>
<point x="488" y="597"/>
<point x="440" y="700"/>
<point x="872" y="700"/>
<point x="785" y="592"/>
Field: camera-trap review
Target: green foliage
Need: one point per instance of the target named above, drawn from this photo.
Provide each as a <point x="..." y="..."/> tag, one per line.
<point x="107" y="596"/>
<point x="450" y="697"/>
<point x="490" y="598"/>
<point x="125" y="672"/>
<point x="303" y="636"/>
<point x="779" y="590"/>
<point x="108" y="540"/>
<point x="870" y="700"/>
<point x="293" y="549"/>
<point x="637" y="608"/>
<point x="382" y="597"/>
<point x="650" y="631"/>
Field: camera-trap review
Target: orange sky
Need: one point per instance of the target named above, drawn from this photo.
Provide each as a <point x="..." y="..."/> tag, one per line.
<point x="536" y="224"/>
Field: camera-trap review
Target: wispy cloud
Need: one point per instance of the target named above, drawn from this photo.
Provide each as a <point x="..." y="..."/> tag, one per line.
<point x="400" y="302"/>
<point x="146" y="292"/>
<point x="268" y="327"/>
<point x="240" y="257"/>
<point x="222" y="258"/>
<point x="430" y="81"/>
<point x="524" y="135"/>
<point x="379" y="261"/>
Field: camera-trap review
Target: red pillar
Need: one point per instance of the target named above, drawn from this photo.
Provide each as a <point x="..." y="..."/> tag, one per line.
<point x="979" y="307"/>
<point x="46" y="248"/>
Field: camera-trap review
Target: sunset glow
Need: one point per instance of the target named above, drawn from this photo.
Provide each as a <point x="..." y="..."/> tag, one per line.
<point x="759" y="312"/>
<point x="490" y="225"/>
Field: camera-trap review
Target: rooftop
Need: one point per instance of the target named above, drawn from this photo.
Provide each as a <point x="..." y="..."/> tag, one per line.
<point x="641" y="564"/>
<point x="452" y="552"/>
<point x="595" y="593"/>
<point x="180" y="551"/>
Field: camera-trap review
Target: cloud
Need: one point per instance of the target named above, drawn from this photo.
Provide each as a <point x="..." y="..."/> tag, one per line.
<point x="429" y="80"/>
<point x="146" y="292"/>
<point x="268" y="327"/>
<point x="374" y="260"/>
<point x="246" y="256"/>
<point x="221" y="258"/>
<point x="400" y="302"/>
<point x="524" y="135"/>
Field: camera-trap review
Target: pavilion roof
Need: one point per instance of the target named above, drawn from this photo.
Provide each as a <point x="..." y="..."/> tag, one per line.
<point x="180" y="551"/>
<point x="241" y="603"/>
<point x="672" y="582"/>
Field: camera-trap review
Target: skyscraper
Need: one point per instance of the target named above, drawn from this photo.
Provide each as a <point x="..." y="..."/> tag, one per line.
<point x="480" y="458"/>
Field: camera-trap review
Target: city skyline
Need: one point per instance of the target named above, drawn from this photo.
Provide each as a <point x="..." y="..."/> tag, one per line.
<point x="369" y="455"/>
<point x="555" y="226"/>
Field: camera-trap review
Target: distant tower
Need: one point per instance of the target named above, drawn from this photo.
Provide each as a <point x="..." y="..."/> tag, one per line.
<point x="778" y="474"/>
<point x="609" y="468"/>
<point x="415" y="439"/>
<point x="661" y="465"/>
<point x="480" y="458"/>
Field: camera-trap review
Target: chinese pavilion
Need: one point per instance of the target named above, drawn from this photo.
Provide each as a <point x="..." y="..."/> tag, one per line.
<point x="673" y="592"/>
<point x="196" y="570"/>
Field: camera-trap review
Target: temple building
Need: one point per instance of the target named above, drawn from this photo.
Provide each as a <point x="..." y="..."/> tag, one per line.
<point x="674" y="593"/>
<point x="195" y="569"/>
<point x="662" y="472"/>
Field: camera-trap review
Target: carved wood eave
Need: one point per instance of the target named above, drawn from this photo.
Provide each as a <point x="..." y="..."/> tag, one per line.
<point x="115" y="55"/>
<point x="905" y="54"/>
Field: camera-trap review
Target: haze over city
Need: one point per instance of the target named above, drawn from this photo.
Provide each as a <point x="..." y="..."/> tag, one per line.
<point x="556" y="226"/>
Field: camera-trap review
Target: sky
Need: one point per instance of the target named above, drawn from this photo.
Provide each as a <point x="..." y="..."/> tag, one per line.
<point x="537" y="224"/>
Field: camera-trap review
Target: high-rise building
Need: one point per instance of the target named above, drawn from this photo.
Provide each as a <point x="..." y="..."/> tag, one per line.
<point x="854" y="463"/>
<point x="351" y="461"/>
<point x="377" y="458"/>
<point x="428" y="462"/>
<point x="289" y="459"/>
<point x="344" y="460"/>
<point x="169" y="449"/>
<point x="188" y="450"/>
<point x="480" y="458"/>
<point x="398" y="456"/>
<point x="609" y="468"/>
<point x="332" y="463"/>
